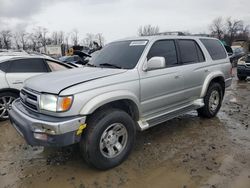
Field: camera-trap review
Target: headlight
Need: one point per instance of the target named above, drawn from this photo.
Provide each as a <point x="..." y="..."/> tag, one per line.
<point x="241" y="61"/>
<point x="55" y="103"/>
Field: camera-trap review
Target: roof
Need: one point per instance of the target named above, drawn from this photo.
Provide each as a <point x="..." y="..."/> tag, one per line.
<point x="12" y="57"/>
<point x="161" y="37"/>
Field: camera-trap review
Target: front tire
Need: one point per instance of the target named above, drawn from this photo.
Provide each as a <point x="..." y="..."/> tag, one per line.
<point x="6" y="99"/>
<point x="212" y="100"/>
<point x="108" y="138"/>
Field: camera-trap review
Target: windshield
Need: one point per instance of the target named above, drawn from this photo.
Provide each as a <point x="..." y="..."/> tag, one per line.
<point x="123" y="54"/>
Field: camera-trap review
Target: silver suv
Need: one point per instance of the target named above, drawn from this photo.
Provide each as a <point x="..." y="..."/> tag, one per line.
<point x="132" y="84"/>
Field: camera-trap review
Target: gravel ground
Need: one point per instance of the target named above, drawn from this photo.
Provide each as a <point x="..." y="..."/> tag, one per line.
<point x="185" y="152"/>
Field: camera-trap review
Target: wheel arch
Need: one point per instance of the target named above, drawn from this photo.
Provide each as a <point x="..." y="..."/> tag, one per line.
<point x="117" y="99"/>
<point x="12" y="90"/>
<point x="216" y="77"/>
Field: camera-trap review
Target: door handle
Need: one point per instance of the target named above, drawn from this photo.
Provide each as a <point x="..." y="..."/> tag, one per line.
<point x="177" y="76"/>
<point x="206" y="70"/>
<point x="17" y="82"/>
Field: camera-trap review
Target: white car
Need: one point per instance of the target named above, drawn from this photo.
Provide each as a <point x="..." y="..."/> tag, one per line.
<point x="14" y="70"/>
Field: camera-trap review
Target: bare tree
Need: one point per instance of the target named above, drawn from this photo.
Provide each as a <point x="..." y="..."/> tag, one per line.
<point x="217" y="28"/>
<point x="54" y="38"/>
<point x="17" y="40"/>
<point x="34" y="40"/>
<point x="245" y="34"/>
<point x="6" y="38"/>
<point x="60" y="37"/>
<point x="234" y="27"/>
<point x="23" y="39"/>
<point x="66" y="40"/>
<point x="148" y="30"/>
<point x="100" y="39"/>
<point x="89" y="39"/>
<point x="75" y="37"/>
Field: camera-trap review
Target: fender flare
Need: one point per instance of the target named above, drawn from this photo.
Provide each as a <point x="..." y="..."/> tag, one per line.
<point x="109" y="97"/>
<point x="208" y="80"/>
<point x="13" y="90"/>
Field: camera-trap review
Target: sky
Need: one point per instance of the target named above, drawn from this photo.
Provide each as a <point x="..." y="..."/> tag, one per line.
<point x="117" y="19"/>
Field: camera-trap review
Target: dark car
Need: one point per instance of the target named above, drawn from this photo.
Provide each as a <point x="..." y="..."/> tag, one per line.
<point x="71" y="59"/>
<point x="243" y="67"/>
<point x="238" y="52"/>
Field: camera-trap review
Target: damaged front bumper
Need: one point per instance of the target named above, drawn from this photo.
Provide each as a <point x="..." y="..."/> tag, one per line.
<point x="43" y="130"/>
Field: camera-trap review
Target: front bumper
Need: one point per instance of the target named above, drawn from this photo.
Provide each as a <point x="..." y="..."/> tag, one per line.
<point x="243" y="70"/>
<point x="62" y="131"/>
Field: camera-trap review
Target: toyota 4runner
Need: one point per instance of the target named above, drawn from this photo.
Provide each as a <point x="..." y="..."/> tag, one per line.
<point x="132" y="84"/>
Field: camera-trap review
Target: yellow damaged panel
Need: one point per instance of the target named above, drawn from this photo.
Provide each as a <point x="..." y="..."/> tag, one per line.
<point x="80" y="129"/>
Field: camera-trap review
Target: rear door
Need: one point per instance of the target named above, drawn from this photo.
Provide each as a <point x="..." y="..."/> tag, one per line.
<point x="194" y="68"/>
<point x="22" y="69"/>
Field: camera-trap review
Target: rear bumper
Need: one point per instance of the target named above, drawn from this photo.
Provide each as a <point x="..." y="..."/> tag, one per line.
<point x="59" y="132"/>
<point x="243" y="70"/>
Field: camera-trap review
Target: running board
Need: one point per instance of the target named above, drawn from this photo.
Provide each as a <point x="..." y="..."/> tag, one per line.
<point x="144" y="124"/>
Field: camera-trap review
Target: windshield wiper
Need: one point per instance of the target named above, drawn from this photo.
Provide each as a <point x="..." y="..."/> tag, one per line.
<point x="110" y="65"/>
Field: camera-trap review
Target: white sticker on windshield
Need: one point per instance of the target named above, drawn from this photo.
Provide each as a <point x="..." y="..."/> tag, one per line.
<point x="138" y="43"/>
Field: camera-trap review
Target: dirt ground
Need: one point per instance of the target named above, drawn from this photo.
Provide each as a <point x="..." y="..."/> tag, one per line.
<point x="185" y="152"/>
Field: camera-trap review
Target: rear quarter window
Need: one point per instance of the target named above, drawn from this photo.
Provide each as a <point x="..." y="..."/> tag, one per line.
<point x="214" y="48"/>
<point x="4" y="66"/>
<point x="190" y="51"/>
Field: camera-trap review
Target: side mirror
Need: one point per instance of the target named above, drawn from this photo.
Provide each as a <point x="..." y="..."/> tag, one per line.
<point x="155" y="63"/>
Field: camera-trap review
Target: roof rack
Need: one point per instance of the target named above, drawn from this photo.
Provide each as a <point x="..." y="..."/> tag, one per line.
<point x="176" y="33"/>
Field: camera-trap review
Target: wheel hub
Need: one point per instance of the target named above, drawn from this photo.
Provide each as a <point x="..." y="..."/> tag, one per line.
<point x="113" y="140"/>
<point x="214" y="101"/>
<point x="5" y="105"/>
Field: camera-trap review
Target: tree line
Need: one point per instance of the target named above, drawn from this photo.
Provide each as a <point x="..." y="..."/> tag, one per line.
<point x="225" y="29"/>
<point x="41" y="37"/>
<point x="229" y="30"/>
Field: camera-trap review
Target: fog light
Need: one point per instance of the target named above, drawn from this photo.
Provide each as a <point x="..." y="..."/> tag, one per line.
<point x="41" y="136"/>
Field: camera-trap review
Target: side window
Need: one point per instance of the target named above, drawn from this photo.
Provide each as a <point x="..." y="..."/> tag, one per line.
<point x="190" y="52"/>
<point x="55" y="66"/>
<point x="166" y="49"/>
<point x="4" y="66"/>
<point x="214" y="48"/>
<point x="27" y="66"/>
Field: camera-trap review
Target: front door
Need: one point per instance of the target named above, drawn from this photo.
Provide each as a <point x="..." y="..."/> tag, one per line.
<point x="161" y="88"/>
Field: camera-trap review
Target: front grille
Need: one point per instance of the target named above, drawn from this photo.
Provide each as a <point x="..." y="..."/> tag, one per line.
<point x="29" y="99"/>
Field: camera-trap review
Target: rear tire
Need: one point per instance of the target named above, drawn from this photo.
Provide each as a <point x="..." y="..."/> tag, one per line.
<point x="6" y="99"/>
<point x="108" y="138"/>
<point x="212" y="100"/>
<point x="241" y="77"/>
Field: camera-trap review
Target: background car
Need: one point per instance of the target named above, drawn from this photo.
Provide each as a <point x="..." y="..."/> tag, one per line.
<point x="243" y="67"/>
<point x="238" y="51"/>
<point x="14" y="70"/>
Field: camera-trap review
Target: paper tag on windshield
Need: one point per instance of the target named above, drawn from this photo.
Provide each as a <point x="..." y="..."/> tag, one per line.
<point x="138" y="43"/>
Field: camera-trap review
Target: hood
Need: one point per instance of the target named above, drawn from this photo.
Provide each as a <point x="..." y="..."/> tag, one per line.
<point x="55" y="82"/>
